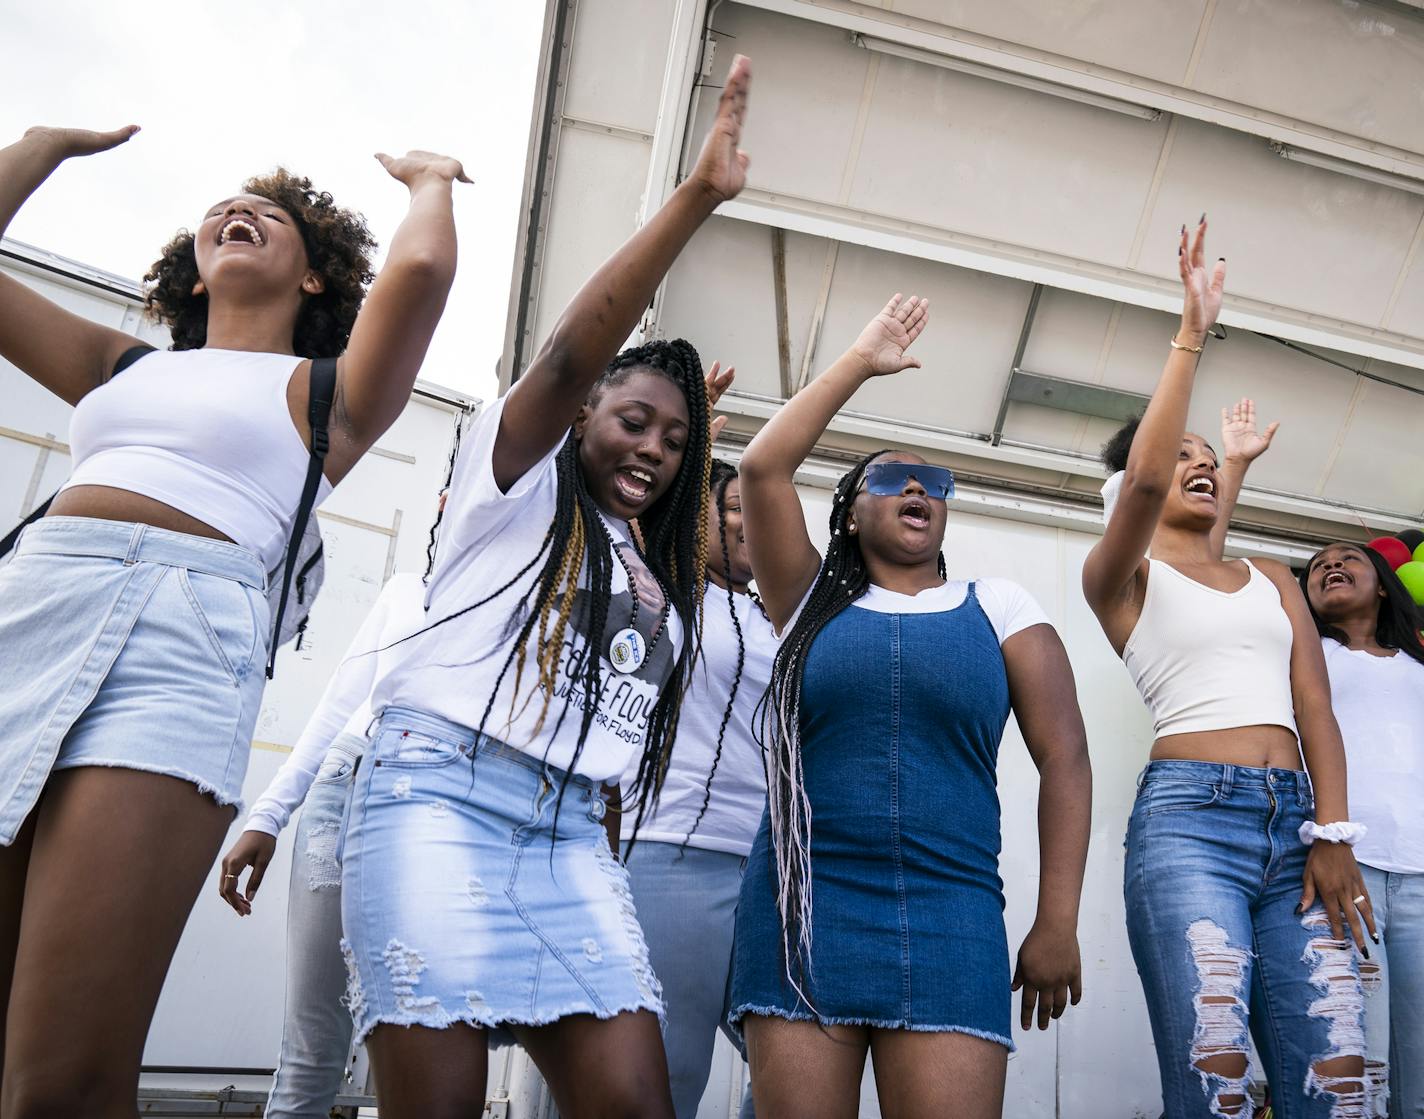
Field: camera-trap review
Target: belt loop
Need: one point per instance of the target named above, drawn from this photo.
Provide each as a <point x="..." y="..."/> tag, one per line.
<point x="135" y="543"/>
<point x="1228" y="778"/>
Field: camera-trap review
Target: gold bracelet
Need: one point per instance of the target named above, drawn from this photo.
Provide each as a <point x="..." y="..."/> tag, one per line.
<point x="1190" y="349"/>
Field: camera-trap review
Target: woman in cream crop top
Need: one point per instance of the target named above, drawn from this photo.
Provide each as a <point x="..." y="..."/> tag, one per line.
<point x="1226" y="657"/>
<point x="131" y="616"/>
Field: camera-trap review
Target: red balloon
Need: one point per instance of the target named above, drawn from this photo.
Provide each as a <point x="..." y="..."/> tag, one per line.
<point x="1395" y="551"/>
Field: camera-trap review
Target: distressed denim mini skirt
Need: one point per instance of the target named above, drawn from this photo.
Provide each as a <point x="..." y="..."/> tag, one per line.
<point x="127" y="646"/>
<point x="463" y="901"/>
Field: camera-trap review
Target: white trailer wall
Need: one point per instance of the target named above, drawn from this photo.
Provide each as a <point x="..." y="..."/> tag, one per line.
<point x="1026" y="166"/>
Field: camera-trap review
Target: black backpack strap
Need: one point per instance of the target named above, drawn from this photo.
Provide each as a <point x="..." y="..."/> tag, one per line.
<point x="127" y="358"/>
<point x="321" y="391"/>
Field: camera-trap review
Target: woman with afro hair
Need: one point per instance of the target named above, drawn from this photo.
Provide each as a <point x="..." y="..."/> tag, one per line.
<point x="134" y="628"/>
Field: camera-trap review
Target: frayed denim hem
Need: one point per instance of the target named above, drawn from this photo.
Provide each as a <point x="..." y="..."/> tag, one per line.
<point x="734" y="1020"/>
<point x="233" y="802"/>
<point x="499" y="1026"/>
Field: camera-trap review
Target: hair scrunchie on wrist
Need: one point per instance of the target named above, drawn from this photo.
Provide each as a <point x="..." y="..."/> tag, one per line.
<point x="1341" y="831"/>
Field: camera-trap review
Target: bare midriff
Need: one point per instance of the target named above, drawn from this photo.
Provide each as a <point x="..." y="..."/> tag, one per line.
<point x="109" y="504"/>
<point x="1266" y="746"/>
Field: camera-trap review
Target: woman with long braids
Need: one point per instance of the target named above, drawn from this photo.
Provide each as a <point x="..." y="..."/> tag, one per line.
<point x="1369" y="628"/>
<point x="1234" y="923"/>
<point x="134" y="630"/>
<point x="686" y="866"/>
<point x="480" y="897"/>
<point x="871" y="915"/>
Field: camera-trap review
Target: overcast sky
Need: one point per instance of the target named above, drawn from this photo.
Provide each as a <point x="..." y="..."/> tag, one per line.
<point x="224" y="91"/>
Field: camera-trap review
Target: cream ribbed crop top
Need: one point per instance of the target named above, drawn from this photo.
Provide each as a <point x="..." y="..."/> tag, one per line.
<point x="205" y="431"/>
<point x="1204" y="659"/>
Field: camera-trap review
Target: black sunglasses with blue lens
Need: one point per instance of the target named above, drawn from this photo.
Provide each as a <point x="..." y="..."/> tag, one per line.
<point x="886" y="479"/>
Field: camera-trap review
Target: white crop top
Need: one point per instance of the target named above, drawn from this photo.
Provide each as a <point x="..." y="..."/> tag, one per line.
<point x="1204" y="659"/>
<point x="205" y="431"/>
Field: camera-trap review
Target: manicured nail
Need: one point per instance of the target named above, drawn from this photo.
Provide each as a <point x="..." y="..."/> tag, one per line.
<point x="1184" y="229"/>
<point x="1366" y="951"/>
<point x="1202" y="219"/>
<point x="1222" y="259"/>
<point x="1375" y="937"/>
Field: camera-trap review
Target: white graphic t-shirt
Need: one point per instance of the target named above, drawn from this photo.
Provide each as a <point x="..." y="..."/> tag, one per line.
<point x="488" y="547"/>
<point x="739" y="785"/>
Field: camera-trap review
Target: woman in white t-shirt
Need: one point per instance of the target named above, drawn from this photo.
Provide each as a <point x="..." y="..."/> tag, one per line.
<point x="480" y="898"/>
<point x="686" y="866"/>
<point x="1369" y="627"/>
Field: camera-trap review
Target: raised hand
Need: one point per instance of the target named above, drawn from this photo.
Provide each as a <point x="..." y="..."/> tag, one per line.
<point x="1240" y="440"/>
<point x="719" y="380"/>
<point x="722" y="166"/>
<point x="414" y="166"/>
<point x="68" y="142"/>
<point x="1202" y="287"/>
<point x="883" y="342"/>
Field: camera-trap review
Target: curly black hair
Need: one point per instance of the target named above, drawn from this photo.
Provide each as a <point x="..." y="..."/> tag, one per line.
<point x="1115" y="450"/>
<point x="339" y="248"/>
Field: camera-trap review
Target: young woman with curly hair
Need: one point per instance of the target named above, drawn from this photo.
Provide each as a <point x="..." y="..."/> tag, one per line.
<point x="686" y="866"/>
<point x="480" y="898"/>
<point x="134" y="629"/>
<point x="1369" y="628"/>
<point x="1235" y="925"/>
<point x="871" y="916"/>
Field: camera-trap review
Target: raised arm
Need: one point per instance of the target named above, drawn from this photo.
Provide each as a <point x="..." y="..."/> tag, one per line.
<point x="783" y="559"/>
<point x="398" y="318"/>
<point x="64" y="352"/>
<point x="1241" y="445"/>
<point x="1331" y="874"/>
<point x="547" y="397"/>
<point x="1109" y="570"/>
<point x="1045" y="702"/>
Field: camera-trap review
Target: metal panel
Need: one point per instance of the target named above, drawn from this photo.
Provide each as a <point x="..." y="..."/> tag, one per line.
<point x="615" y="78"/>
<point x="1344" y="65"/>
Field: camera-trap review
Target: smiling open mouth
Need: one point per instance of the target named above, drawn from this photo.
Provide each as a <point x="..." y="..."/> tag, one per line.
<point x="1336" y="579"/>
<point x="633" y="485"/>
<point x="1202" y="485"/>
<point x="241" y="231"/>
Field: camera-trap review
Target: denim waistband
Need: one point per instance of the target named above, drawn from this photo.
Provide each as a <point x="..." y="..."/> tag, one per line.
<point x="482" y="745"/>
<point x="1285" y="782"/>
<point x="140" y="543"/>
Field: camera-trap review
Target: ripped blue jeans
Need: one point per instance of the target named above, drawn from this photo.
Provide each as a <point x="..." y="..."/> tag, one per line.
<point x="1213" y="879"/>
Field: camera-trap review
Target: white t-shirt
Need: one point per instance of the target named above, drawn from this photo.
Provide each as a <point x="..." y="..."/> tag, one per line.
<point x="487" y="539"/>
<point x="345" y="705"/>
<point x="1007" y="605"/>
<point x="739" y="785"/>
<point x="1379" y="704"/>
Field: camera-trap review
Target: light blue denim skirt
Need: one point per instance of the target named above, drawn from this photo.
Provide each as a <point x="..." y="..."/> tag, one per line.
<point x="128" y="646"/>
<point x="462" y="901"/>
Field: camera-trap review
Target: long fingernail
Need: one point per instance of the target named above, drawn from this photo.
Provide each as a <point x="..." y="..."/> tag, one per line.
<point x="1366" y="951"/>
<point x="1202" y="219"/>
<point x="1375" y="937"/>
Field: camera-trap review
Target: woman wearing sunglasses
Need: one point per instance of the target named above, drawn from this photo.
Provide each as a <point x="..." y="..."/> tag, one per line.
<point x="871" y="914"/>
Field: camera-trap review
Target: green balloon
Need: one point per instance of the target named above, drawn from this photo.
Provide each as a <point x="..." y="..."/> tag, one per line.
<point x="1419" y="554"/>
<point x="1412" y="576"/>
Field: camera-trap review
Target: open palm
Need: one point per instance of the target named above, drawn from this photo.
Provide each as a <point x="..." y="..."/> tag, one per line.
<point x="81" y="141"/>
<point x="883" y="342"/>
<point x="1202" y="286"/>
<point x="1239" y="437"/>
<point x="722" y="166"/>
